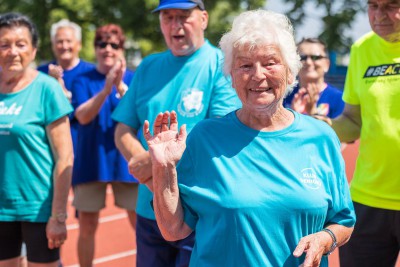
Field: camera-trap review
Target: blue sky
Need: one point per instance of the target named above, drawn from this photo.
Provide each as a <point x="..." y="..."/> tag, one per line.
<point x="312" y="25"/>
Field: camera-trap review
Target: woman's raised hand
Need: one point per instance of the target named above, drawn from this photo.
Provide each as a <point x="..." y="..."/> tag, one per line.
<point x="166" y="145"/>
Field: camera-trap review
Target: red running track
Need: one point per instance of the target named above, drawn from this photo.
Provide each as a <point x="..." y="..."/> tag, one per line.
<point x="115" y="238"/>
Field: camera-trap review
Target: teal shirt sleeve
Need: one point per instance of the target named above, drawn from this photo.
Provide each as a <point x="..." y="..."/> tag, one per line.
<point x="55" y="103"/>
<point x="224" y="98"/>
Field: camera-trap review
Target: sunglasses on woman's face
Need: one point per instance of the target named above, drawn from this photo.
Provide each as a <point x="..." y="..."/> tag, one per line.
<point x="313" y="57"/>
<point x="102" y="45"/>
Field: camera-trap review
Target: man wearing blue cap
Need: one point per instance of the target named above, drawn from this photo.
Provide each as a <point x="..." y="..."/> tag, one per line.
<point x="187" y="78"/>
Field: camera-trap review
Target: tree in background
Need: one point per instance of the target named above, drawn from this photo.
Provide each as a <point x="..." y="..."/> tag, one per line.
<point x="339" y="15"/>
<point x="142" y="27"/>
<point x="134" y="16"/>
<point x="46" y="12"/>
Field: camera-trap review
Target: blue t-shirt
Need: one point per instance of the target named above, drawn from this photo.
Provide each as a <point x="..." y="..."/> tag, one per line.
<point x="194" y="86"/>
<point x="330" y="101"/>
<point x="251" y="196"/>
<point x="26" y="158"/>
<point x="68" y="77"/>
<point x="97" y="158"/>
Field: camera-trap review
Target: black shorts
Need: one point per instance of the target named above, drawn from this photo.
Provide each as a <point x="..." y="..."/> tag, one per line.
<point x="12" y="234"/>
<point x="375" y="240"/>
<point x="154" y="251"/>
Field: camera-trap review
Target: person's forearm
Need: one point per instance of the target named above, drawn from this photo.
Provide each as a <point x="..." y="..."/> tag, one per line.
<point x="127" y="142"/>
<point x="60" y="140"/>
<point x="346" y="129"/>
<point x="167" y="205"/>
<point x="62" y="175"/>
<point x="87" y="111"/>
<point x="342" y="233"/>
<point x="348" y="125"/>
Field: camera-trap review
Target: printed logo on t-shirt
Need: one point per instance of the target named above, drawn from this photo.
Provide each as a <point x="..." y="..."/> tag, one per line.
<point x="309" y="178"/>
<point x="382" y="70"/>
<point x="13" y="109"/>
<point x="191" y="103"/>
<point x="4" y="128"/>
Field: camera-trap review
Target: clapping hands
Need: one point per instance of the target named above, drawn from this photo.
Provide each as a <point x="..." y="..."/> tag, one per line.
<point x="115" y="75"/>
<point x="305" y="101"/>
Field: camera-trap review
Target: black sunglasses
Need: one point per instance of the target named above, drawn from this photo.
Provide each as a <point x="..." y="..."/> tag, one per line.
<point x="313" y="57"/>
<point x="105" y="44"/>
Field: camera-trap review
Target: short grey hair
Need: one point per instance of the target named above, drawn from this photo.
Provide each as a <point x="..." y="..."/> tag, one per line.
<point x="64" y="23"/>
<point x="258" y="28"/>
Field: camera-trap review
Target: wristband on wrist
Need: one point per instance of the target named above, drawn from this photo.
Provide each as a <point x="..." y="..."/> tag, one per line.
<point x="60" y="217"/>
<point x="334" y="244"/>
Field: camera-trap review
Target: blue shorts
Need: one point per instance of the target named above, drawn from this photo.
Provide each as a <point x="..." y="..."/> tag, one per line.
<point x="154" y="251"/>
<point x="12" y="234"/>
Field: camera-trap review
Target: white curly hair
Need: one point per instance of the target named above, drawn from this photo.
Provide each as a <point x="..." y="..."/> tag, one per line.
<point x="258" y="28"/>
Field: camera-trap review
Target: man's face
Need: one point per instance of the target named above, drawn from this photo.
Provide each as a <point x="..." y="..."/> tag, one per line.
<point x="384" y="17"/>
<point x="183" y="30"/>
<point x="65" y="45"/>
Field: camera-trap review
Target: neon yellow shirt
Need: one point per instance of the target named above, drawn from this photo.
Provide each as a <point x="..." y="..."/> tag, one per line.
<point x="373" y="82"/>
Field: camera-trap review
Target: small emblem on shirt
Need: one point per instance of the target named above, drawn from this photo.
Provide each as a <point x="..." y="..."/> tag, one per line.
<point x="11" y="110"/>
<point x="191" y="103"/>
<point x="309" y="178"/>
<point x="382" y="70"/>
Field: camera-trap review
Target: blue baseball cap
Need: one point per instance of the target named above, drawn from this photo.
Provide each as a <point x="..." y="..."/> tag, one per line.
<point x="179" y="4"/>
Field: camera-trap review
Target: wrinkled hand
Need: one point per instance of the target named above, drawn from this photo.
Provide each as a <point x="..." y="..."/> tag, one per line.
<point x="305" y="101"/>
<point x="56" y="71"/>
<point x="166" y="146"/>
<point x="140" y="167"/>
<point x="314" y="245"/>
<point x="56" y="233"/>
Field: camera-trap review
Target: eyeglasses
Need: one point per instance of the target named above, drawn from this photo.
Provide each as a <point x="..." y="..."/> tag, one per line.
<point x="105" y="44"/>
<point x="313" y="57"/>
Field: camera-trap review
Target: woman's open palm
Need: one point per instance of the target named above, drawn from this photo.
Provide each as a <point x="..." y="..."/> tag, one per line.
<point x="166" y="146"/>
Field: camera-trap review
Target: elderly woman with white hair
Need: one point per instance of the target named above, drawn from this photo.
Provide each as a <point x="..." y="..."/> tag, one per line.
<point x="264" y="185"/>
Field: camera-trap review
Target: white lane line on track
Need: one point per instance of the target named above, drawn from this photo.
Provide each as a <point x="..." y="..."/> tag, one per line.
<point x="110" y="257"/>
<point x="105" y="219"/>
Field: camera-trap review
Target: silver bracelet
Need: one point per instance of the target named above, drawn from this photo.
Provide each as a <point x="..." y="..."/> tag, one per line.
<point x="334" y="244"/>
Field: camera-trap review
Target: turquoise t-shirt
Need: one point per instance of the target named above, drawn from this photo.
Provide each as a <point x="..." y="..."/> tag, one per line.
<point x="251" y="196"/>
<point x="194" y="86"/>
<point x="26" y="159"/>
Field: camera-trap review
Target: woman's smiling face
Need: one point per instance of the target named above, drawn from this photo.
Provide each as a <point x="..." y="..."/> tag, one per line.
<point x="260" y="76"/>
